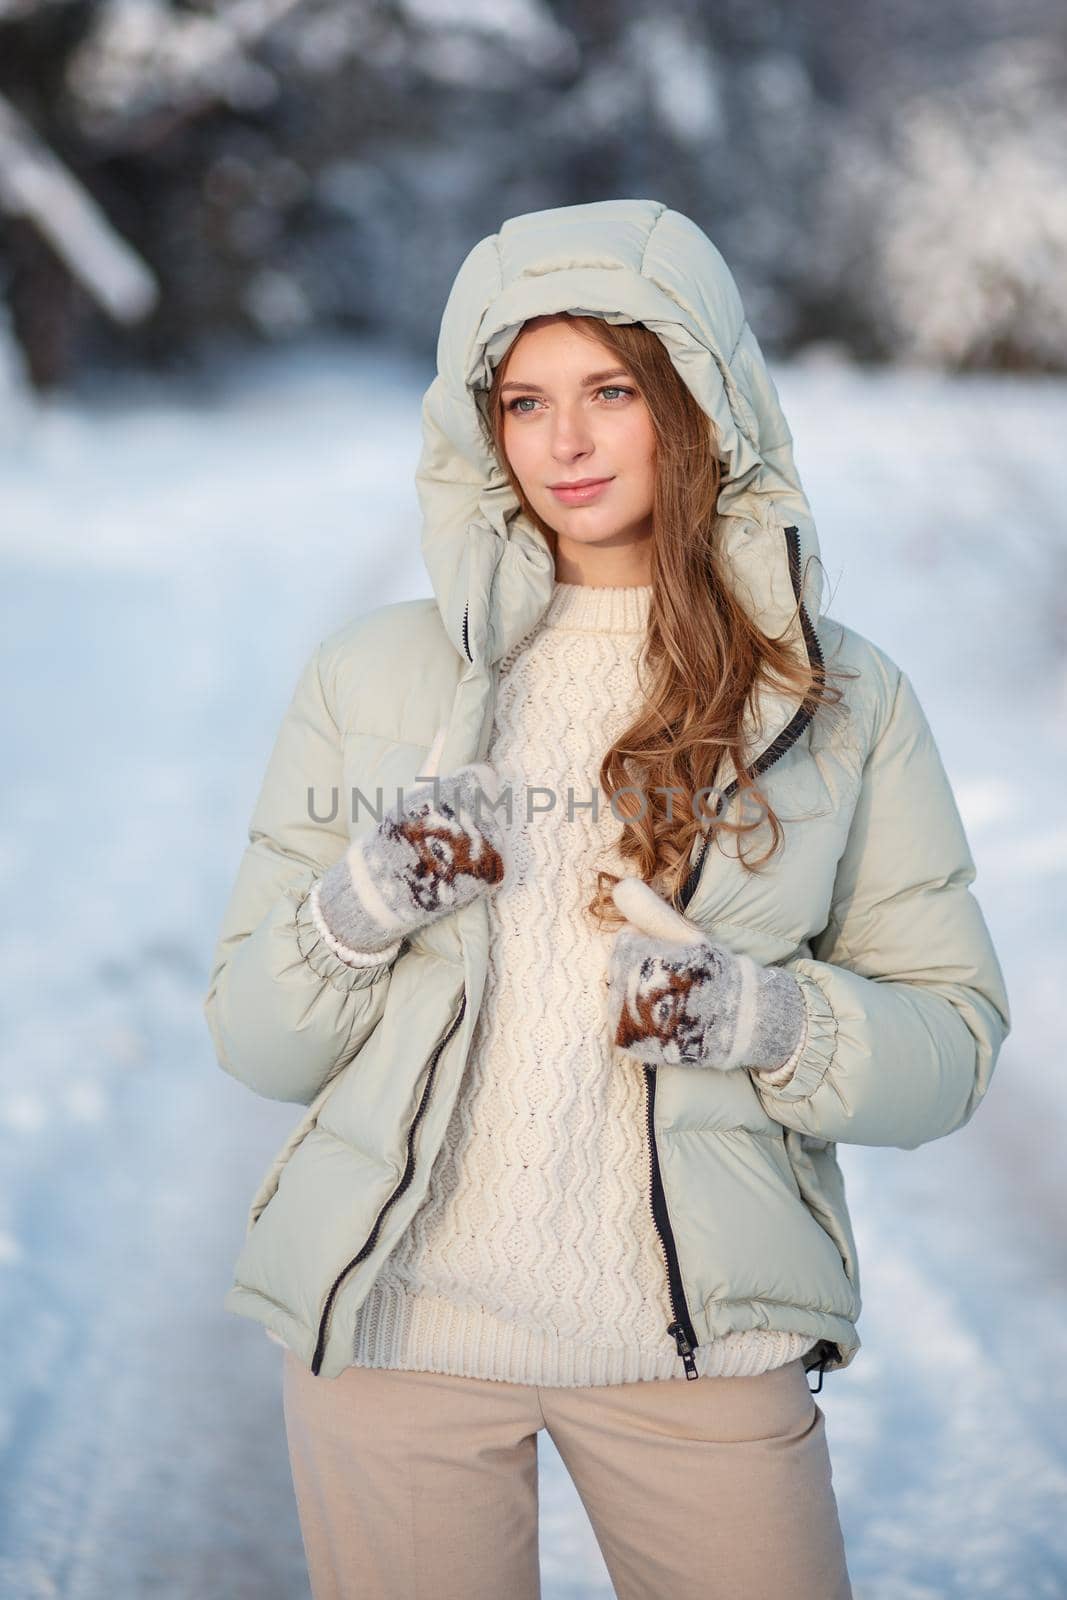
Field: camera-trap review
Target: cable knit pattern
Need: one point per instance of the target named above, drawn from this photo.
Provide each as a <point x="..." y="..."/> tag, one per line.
<point x="534" y="1258"/>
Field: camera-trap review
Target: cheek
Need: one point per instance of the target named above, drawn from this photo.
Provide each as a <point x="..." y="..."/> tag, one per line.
<point x="639" y="452"/>
<point x="522" y="452"/>
<point x="639" y="447"/>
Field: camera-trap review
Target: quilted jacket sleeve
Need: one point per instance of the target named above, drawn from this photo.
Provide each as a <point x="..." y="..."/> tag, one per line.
<point x="286" y="1010"/>
<point x="906" y="1003"/>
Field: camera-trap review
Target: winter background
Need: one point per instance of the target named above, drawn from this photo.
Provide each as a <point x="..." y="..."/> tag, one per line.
<point x="227" y="234"/>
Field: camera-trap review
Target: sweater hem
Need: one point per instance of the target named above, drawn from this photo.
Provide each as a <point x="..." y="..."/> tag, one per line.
<point x="402" y="1331"/>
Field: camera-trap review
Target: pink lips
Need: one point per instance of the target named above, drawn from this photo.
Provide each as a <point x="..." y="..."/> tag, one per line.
<point x="578" y="494"/>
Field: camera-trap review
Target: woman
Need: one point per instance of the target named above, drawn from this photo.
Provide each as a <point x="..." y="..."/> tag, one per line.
<point x="588" y="904"/>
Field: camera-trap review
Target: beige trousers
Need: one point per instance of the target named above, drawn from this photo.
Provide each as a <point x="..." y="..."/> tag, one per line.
<point x="424" y="1486"/>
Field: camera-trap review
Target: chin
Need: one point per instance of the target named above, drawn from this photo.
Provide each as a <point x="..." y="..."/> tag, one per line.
<point x="581" y="525"/>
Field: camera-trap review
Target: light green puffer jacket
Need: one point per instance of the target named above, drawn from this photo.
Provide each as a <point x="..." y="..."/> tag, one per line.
<point x="869" y="904"/>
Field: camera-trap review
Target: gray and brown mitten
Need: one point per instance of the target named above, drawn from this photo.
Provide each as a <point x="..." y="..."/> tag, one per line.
<point x="678" y="999"/>
<point x="437" y="852"/>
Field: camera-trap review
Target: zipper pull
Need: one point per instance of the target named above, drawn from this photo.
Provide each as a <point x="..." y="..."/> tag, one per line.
<point x="685" y="1349"/>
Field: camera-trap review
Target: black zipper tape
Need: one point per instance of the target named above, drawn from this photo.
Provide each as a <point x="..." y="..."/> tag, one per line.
<point x="408" y="1173"/>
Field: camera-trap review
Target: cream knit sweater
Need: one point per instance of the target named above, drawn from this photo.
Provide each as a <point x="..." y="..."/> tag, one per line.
<point x="534" y="1257"/>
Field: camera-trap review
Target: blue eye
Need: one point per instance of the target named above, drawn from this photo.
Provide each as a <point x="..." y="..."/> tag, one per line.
<point x="608" y="388"/>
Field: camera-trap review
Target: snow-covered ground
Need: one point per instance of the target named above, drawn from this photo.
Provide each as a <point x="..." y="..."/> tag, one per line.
<point x="169" y="555"/>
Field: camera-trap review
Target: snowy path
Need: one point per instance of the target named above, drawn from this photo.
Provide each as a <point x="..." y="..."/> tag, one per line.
<point x="169" y="562"/>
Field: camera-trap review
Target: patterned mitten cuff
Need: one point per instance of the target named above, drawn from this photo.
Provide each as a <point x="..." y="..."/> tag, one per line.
<point x="430" y="857"/>
<point x="779" y="1076"/>
<point x="339" y="895"/>
<point x="699" y="1004"/>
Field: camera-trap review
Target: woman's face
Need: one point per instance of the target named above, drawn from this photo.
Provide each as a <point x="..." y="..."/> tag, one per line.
<point x="572" y="412"/>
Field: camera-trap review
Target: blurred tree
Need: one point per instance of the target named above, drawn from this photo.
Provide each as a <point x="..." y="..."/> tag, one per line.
<point x="257" y="167"/>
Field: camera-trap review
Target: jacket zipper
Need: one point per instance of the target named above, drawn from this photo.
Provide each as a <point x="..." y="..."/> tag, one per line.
<point x="681" y="1329"/>
<point x="408" y="1173"/>
<point x="466" y="636"/>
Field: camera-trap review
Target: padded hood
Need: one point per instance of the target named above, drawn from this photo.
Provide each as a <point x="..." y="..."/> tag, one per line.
<point x="626" y="261"/>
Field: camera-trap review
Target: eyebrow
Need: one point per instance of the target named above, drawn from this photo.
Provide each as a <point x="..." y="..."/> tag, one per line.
<point x="587" y="382"/>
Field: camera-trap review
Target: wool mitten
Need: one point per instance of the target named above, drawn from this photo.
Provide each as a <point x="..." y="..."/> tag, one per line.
<point x="676" y="998"/>
<point x="433" y="854"/>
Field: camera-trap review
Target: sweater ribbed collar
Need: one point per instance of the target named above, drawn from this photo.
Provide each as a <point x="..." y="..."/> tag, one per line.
<point x="589" y="608"/>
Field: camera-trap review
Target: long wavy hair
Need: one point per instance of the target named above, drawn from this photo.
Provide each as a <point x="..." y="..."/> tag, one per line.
<point x="703" y="657"/>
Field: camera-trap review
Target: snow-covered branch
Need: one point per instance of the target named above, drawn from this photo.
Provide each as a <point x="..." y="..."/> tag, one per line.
<point x="36" y="185"/>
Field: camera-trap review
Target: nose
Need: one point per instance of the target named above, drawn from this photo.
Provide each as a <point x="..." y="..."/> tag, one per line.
<point x="571" y="434"/>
